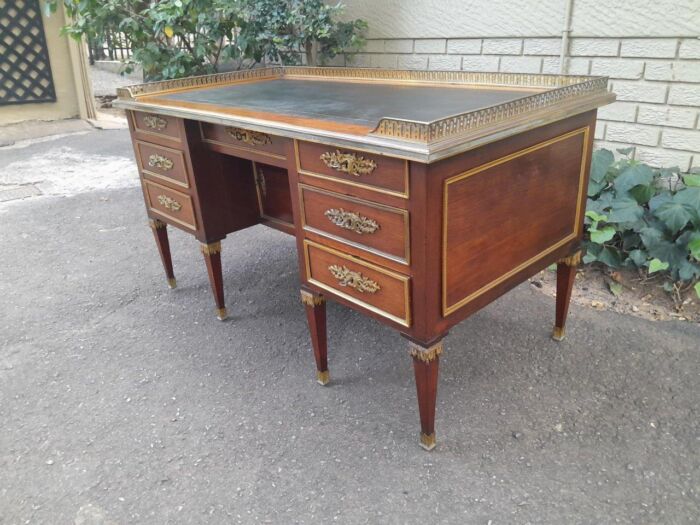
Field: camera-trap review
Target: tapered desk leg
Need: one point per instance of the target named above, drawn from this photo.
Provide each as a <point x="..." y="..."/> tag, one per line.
<point x="315" y="305"/>
<point x="426" y="362"/>
<point x="566" y="273"/>
<point x="160" y="233"/>
<point x="212" y="257"/>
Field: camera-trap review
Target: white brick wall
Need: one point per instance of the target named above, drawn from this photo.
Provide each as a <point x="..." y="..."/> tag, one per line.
<point x="657" y="81"/>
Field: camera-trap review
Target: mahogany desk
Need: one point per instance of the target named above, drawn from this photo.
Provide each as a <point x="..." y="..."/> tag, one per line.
<point x="416" y="197"/>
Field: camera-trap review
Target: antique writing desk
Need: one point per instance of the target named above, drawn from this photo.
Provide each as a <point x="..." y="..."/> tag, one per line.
<point x="415" y="197"/>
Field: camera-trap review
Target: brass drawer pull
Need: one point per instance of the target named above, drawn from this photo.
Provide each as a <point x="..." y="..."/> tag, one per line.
<point x="351" y="221"/>
<point x="154" y="122"/>
<point x="346" y="277"/>
<point x="158" y="161"/>
<point x="169" y="203"/>
<point x="348" y="163"/>
<point x="252" y="138"/>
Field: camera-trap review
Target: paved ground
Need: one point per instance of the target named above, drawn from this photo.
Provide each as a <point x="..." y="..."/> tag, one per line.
<point x="124" y="402"/>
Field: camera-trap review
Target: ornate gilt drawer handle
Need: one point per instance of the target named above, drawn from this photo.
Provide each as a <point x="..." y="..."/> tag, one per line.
<point x="169" y="203"/>
<point x="158" y="161"/>
<point x="253" y="138"/>
<point x="154" y="122"/>
<point x="346" y="277"/>
<point x="348" y="163"/>
<point x="351" y="221"/>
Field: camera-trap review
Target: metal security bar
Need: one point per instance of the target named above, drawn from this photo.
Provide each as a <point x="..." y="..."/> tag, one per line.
<point x="25" y="70"/>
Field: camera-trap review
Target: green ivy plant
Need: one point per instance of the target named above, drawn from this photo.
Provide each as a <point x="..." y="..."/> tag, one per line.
<point x="644" y="218"/>
<point x="176" y="38"/>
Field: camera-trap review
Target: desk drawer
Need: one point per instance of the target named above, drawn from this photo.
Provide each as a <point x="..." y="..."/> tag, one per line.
<point x="166" y="164"/>
<point x="356" y="168"/>
<point x="175" y="206"/>
<point x="150" y="123"/>
<point x="380" y="229"/>
<point x="243" y="139"/>
<point x="366" y="285"/>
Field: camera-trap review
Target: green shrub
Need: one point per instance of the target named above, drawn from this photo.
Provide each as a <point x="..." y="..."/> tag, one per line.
<point x="176" y="38"/>
<point x="644" y="218"/>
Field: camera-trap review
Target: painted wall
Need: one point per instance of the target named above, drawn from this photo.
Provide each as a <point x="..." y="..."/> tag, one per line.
<point x="66" y="105"/>
<point x="649" y="49"/>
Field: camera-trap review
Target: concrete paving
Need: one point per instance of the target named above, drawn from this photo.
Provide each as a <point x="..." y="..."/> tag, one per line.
<point x="122" y="401"/>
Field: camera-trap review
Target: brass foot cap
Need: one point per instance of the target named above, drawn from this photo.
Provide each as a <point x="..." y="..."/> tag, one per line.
<point x="323" y="378"/>
<point x="172" y="283"/>
<point x="558" y="334"/>
<point x="427" y="441"/>
<point x="221" y="314"/>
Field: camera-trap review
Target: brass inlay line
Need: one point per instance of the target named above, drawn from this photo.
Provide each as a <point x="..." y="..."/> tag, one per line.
<point x="405" y="321"/>
<point x="352" y="221"/>
<point x="155" y="122"/>
<point x="347" y="277"/>
<point x="350" y="163"/>
<point x="169" y="203"/>
<point x="160" y="162"/>
<point x="448" y="309"/>
<point x="252" y="138"/>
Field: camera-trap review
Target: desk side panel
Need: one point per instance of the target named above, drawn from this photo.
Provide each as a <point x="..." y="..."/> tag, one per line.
<point x="506" y="211"/>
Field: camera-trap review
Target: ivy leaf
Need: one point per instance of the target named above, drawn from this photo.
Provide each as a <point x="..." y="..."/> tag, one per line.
<point x="625" y="210"/>
<point x="638" y="257"/>
<point x="168" y="31"/>
<point x="602" y="236"/>
<point x="691" y="180"/>
<point x="697" y="289"/>
<point x="656" y="265"/>
<point x="635" y="175"/>
<point x="615" y="288"/>
<point x="610" y="256"/>
<point x="600" y="163"/>
<point x="642" y="193"/>
<point x="674" y="215"/>
<point x="595" y="216"/>
<point x="694" y="248"/>
<point x="691" y="198"/>
<point x="595" y="187"/>
<point x="658" y="200"/>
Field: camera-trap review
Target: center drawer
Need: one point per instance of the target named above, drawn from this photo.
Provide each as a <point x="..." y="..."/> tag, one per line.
<point x="377" y="228"/>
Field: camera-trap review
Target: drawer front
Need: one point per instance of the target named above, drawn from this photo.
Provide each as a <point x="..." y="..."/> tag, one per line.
<point x="367" y="285"/>
<point x="243" y="139"/>
<point x="272" y="185"/>
<point x="166" y="164"/>
<point x="168" y="127"/>
<point x="374" y="227"/>
<point x="356" y="168"/>
<point x="173" y="205"/>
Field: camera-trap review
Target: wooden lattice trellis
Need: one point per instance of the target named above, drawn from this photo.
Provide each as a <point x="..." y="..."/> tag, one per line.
<point x="25" y="71"/>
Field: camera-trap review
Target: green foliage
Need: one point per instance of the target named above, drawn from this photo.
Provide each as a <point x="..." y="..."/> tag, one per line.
<point x="643" y="218"/>
<point x="176" y="38"/>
